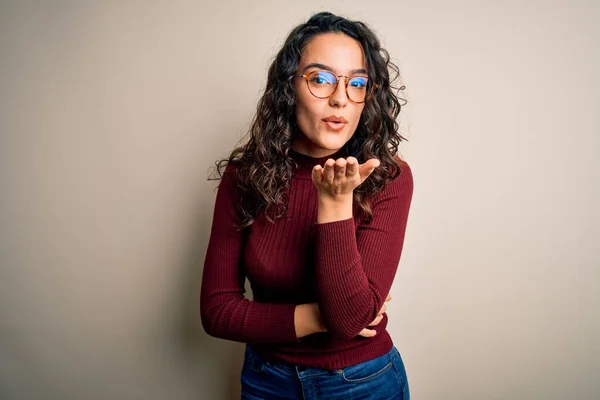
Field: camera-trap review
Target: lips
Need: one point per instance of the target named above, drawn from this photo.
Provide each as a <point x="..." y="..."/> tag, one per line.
<point x="334" y="123"/>
<point x="334" y="119"/>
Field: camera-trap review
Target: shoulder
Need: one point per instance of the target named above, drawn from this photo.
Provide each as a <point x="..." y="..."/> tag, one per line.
<point x="229" y="178"/>
<point x="405" y="170"/>
<point x="404" y="181"/>
<point x="231" y="171"/>
<point x="399" y="190"/>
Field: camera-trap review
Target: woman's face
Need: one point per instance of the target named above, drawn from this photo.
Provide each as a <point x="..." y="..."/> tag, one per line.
<point x="342" y="55"/>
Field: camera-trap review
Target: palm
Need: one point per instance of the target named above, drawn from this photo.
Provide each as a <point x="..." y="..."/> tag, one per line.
<point x="342" y="176"/>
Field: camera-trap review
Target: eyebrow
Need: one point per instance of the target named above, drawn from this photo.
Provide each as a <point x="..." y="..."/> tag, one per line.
<point x="328" y="68"/>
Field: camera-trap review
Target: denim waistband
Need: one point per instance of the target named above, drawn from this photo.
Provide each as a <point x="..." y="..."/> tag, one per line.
<point x="253" y="356"/>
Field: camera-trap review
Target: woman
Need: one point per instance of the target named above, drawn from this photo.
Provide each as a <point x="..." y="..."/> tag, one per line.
<point x="313" y="210"/>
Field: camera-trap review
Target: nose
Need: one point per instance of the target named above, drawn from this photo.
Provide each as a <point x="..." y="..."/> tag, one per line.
<point x="339" y="98"/>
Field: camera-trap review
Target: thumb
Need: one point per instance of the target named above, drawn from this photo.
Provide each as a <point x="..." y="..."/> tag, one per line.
<point x="368" y="167"/>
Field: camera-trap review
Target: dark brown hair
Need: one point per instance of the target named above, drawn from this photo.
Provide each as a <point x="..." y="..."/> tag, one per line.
<point x="263" y="166"/>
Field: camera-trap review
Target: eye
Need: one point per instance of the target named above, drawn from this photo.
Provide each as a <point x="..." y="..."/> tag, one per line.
<point x="358" y="82"/>
<point x="322" y="78"/>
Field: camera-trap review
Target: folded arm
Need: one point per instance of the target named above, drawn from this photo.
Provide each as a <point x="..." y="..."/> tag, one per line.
<point x="355" y="266"/>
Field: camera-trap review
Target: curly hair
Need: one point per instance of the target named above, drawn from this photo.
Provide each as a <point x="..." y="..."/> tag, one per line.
<point x="263" y="166"/>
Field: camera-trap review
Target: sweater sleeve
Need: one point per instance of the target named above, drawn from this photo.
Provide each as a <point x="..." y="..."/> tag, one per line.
<point x="355" y="266"/>
<point x="225" y="312"/>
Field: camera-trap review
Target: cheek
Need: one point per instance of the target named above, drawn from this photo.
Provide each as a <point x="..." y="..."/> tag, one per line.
<point x="357" y="115"/>
<point x="307" y="111"/>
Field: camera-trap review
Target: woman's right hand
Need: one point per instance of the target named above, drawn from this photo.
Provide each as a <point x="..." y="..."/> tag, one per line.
<point x="371" y="332"/>
<point x="308" y="320"/>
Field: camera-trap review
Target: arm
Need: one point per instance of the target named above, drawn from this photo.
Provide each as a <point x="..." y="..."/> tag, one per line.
<point x="225" y="313"/>
<point x="355" y="268"/>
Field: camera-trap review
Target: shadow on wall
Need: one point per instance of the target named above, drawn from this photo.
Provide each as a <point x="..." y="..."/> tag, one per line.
<point x="218" y="361"/>
<point x="18" y="375"/>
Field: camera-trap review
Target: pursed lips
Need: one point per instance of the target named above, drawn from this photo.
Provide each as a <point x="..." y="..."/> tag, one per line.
<point x="335" y="123"/>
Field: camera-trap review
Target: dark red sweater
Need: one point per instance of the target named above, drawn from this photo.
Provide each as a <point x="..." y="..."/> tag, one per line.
<point x="346" y="266"/>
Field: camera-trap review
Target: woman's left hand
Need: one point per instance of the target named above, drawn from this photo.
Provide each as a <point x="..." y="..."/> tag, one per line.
<point x="340" y="177"/>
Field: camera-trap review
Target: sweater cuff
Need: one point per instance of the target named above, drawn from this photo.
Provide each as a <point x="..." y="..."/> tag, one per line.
<point x="276" y="324"/>
<point x="336" y="247"/>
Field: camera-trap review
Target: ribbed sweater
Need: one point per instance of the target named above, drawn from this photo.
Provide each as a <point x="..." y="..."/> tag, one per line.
<point x="347" y="267"/>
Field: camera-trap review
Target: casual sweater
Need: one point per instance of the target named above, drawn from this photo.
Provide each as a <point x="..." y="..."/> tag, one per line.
<point x="346" y="266"/>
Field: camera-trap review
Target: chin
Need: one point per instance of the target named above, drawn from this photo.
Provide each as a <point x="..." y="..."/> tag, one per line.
<point x="334" y="143"/>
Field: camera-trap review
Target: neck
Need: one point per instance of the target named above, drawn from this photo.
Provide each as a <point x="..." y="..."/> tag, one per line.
<point x="299" y="146"/>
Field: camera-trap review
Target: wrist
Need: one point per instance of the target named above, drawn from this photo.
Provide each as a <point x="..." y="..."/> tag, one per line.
<point x="318" y="324"/>
<point x="335" y="199"/>
<point x="307" y="320"/>
<point x="334" y="208"/>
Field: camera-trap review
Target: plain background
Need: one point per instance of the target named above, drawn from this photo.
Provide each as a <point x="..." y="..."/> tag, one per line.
<point x="112" y="112"/>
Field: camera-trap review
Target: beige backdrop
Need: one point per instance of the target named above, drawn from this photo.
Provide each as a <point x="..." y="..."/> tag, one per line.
<point x="112" y="112"/>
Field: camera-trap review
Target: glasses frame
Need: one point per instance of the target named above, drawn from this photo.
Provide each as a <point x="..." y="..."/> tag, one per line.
<point x="337" y="82"/>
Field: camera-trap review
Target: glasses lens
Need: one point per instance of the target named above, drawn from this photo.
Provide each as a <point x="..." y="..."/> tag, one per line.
<point x="357" y="88"/>
<point x="321" y="83"/>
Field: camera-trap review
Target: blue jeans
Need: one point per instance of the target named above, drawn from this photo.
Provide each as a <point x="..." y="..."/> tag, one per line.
<point x="381" y="378"/>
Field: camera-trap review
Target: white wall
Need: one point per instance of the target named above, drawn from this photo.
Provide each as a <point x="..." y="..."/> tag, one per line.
<point x="112" y="112"/>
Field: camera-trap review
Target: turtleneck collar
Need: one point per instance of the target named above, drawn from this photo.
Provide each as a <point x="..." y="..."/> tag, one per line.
<point x="306" y="163"/>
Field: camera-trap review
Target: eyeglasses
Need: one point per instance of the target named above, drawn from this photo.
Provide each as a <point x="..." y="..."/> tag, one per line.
<point x="322" y="84"/>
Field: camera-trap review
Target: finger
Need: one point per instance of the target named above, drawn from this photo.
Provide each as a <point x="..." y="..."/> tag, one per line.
<point x="376" y="321"/>
<point x="340" y="168"/>
<point x="317" y="174"/>
<point x="382" y="310"/>
<point x="368" y="167"/>
<point x="388" y="298"/>
<point x="328" y="172"/>
<point x="351" y="166"/>
<point x="367" y="333"/>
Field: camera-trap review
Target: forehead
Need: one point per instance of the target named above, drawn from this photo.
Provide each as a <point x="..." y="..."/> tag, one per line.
<point x="336" y="50"/>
